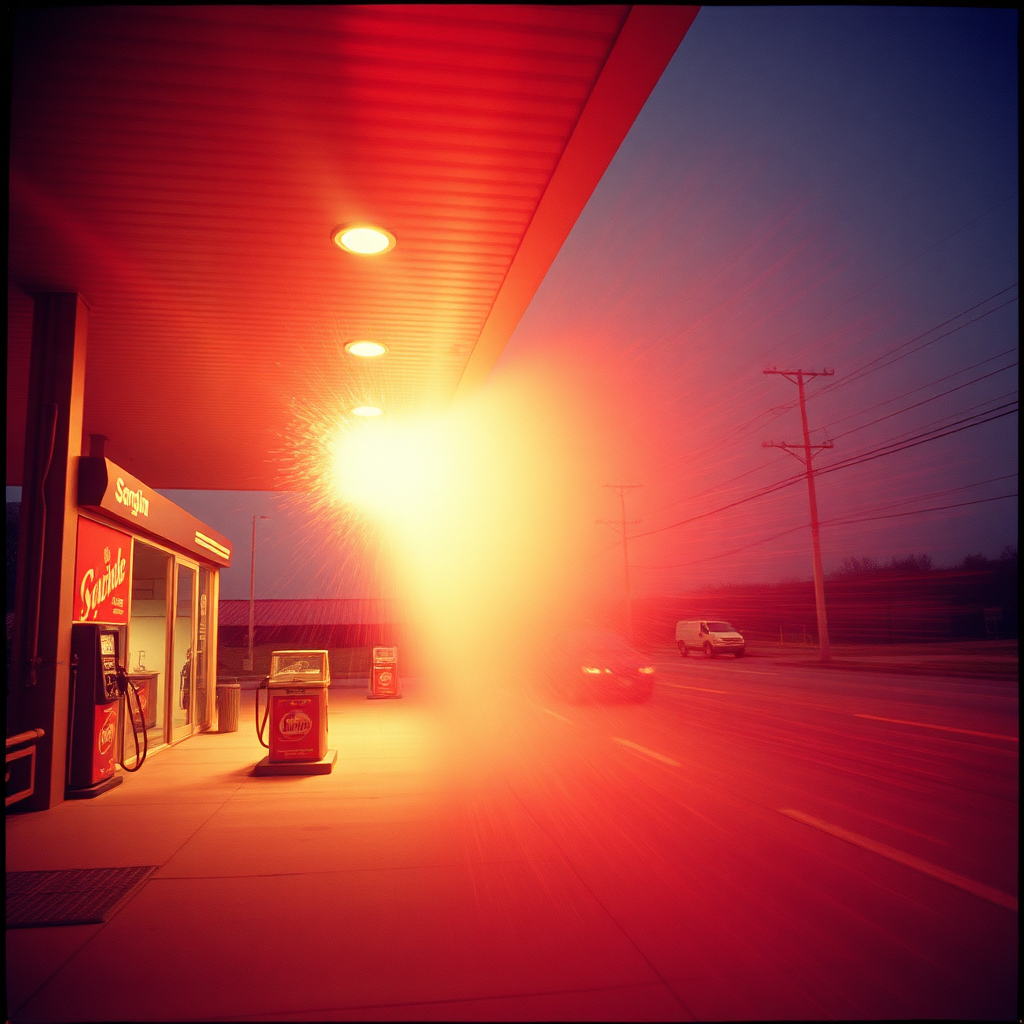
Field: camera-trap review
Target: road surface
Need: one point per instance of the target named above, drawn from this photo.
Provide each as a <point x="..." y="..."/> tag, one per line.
<point x="792" y="842"/>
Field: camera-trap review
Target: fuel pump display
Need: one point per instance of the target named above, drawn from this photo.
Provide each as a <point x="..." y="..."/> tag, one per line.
<point x="297" y="712"/>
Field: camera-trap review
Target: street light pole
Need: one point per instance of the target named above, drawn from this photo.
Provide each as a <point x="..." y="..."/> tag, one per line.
<point x="252" y="592"/>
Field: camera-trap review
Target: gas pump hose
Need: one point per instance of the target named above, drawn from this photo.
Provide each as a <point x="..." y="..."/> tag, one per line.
<point x="261" y="726"/>
<point x="127" y="688"/>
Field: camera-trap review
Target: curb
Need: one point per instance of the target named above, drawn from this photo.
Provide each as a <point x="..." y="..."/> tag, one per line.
<point x="1006" y="673"/>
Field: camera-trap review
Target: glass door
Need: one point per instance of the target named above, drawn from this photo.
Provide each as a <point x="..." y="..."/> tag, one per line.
<point x="183" y="645"/>
<point x="203" y="689"/>
<point x="152" y="574"/>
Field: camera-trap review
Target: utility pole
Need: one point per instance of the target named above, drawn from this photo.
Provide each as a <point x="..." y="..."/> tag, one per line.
<point x="620" y="490"/>
<point x="797" y="377"/>
<point x="248" y="665"/>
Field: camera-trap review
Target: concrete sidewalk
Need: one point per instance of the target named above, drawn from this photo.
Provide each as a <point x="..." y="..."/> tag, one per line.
<point x="408" y="884"/>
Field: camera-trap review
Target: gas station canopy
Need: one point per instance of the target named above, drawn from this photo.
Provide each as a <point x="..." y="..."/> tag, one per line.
<point x="185" y="169"/>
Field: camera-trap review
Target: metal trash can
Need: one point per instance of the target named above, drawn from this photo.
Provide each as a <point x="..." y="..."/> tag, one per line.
<point x="229" y="700"/>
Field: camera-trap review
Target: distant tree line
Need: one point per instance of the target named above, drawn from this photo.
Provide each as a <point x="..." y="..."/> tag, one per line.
<point x="906" y="599"/>
<point x="853" y="568"/>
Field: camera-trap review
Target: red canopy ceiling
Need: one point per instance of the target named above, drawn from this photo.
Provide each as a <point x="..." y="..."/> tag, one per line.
<point x="182" y="168"/>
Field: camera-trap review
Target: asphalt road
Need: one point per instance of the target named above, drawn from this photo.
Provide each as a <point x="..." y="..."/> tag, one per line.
<point x="791" y="843"/>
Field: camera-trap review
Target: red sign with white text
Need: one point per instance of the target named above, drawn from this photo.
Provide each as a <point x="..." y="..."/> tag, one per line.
<point x="103" y="752"/>
<point x="103" y="572"/>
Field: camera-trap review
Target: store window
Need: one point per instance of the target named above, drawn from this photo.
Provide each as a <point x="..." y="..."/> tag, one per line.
<point x="147" y="639"/>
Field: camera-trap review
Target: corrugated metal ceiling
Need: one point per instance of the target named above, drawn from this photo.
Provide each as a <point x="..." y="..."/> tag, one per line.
<point x="183" y="168"/>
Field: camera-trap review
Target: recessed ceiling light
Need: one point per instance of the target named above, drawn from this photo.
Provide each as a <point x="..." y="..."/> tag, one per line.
<point x="364" y="239"/>
<point x="366" y="349"/>
<point x="367" y="410"/>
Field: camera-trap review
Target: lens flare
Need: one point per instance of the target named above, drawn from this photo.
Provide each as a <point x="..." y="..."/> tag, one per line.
<point x="479" y="518"/>
<point x="391" y="470"/>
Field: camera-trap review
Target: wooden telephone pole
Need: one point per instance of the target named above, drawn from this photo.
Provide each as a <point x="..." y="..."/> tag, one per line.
<point x="797" y="377"/>
<point x="620" y="490"/>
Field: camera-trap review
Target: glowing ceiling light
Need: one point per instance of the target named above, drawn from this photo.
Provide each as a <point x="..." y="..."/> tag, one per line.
<point x="367" y="410"/>
<point x="364" y="239"/>
<point x="366" y="349"/>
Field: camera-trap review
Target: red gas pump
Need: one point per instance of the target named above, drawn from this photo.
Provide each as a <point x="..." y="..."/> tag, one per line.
<point x="92" y="726"/>
<point x="297" y="712"/>
<point x="384" y="674"/>
<point x="98" y="683"/>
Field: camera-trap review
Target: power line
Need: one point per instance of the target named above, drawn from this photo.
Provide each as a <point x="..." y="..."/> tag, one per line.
<point x="866" y="456"/>
<point x="922" y="387"/>
<point x="757" y="469"/>
<point x="925" y="401"/>
<point x="869" y="367"/>
<point x="830" y="522"/>
<point x="969" y="412"/>
<point x="866" y="369"/>
<point x="936" y="494"/>
<point x="719" y="486"/>
<point x="867" y="518"/>
<point x="735" y="551"/>
<point x="918" y="511"/>
<point x="913" y="442"/>
<point x="771" y="489"/>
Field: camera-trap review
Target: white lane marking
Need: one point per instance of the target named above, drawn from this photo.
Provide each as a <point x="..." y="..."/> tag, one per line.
<point x="679" y="686"/>
<point x="903" y="828"/>
<point x="986" y="892"/>
<point x="944" y="728"/>
<point x="554" y="714"/>
<point x="649" y="753"/>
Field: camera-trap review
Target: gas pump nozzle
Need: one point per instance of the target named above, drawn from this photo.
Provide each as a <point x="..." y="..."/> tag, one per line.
<point x="126" y="688"/>
<point x="261" y="726"/>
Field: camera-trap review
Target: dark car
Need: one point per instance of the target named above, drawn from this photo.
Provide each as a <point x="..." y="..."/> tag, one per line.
<point x="591" y="664"/>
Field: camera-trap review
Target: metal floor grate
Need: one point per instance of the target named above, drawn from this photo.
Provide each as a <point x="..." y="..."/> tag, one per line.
<point x="37" y="899"/>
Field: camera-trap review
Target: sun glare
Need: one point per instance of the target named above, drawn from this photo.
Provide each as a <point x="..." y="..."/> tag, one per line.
<point x="485" y="512"/>
<point x="390" y="470"/>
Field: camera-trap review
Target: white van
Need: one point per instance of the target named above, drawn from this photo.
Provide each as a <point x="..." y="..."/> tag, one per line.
<point x="712" y="636"/>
